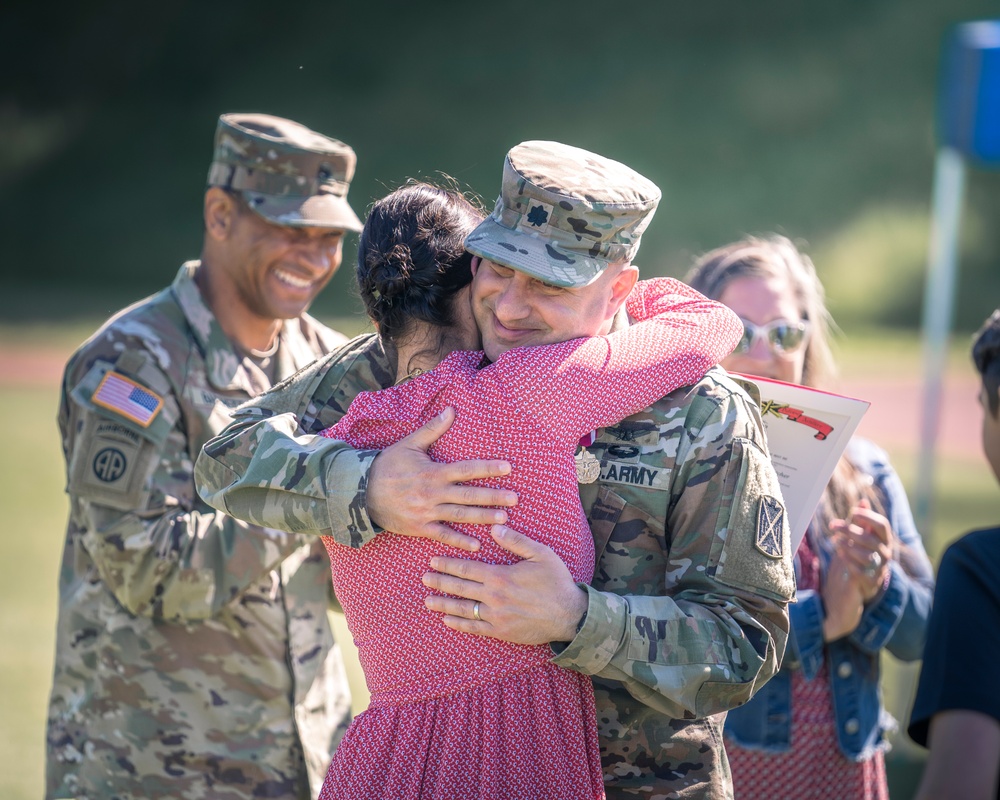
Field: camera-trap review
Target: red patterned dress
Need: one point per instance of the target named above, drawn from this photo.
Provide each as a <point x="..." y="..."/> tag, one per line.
<point x="814" y="768"/>
<point x="456" y="716"/>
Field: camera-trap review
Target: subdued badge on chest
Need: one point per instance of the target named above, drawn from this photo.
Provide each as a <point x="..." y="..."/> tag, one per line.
<point x="205" y="398"/>
<point x="215" y="409"/>
<point x="634" y="474"/>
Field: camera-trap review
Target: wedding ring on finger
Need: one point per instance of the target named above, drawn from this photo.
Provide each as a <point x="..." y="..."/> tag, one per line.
<point x="475" y="612"/>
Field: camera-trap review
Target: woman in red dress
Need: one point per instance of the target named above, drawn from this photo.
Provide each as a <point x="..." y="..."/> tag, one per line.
<point x="454" y="715"/>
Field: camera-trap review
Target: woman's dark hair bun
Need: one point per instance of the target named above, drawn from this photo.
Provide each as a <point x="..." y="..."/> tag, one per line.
<point x="412" y="258"/>
<point x="389" y="274"/>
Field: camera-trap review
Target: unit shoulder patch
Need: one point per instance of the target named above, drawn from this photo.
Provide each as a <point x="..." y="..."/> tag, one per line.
<point x="110" y="463"/>
<point x="770" y="517"/>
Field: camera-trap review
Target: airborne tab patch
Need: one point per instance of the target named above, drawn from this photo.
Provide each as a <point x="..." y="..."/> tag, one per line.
<point x="770" y="519"/>
<point x="128" y="398"/>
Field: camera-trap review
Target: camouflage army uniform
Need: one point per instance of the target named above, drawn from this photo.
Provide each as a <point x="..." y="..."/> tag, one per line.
<point x="686" y="615"/>
<point x="194" y="656"/>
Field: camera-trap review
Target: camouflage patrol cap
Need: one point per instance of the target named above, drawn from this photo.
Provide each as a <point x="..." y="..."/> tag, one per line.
<point x="564" y="214"/>
<point x="287" y="173"/>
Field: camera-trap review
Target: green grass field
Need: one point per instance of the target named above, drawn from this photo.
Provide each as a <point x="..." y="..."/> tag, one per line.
<point x="31" y="493"/>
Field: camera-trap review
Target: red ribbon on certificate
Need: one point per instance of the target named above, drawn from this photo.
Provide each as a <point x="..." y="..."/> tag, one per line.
<point x="822" y="429"/>
<point x="795" y="415"/>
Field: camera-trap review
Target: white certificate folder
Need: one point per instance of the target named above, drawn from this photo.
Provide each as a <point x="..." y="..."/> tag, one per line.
<point x="807" y="432"/>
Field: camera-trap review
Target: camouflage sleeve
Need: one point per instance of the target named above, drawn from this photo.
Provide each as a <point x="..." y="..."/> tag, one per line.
<point x="263" y="470"/>
<point x="715" y="627"/>
<point x="158" y="548"/>
<point x="268" y="466"/>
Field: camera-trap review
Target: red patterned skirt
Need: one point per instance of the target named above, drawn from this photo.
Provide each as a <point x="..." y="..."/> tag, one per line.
<point x="814" y="767"/>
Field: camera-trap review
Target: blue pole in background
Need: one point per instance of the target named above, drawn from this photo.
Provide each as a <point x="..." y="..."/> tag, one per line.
<point x="969" y="128"/>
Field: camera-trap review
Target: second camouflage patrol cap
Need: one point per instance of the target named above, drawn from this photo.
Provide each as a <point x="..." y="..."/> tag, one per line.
<point x="287" y="173"/>
<point x="564" y="214"/>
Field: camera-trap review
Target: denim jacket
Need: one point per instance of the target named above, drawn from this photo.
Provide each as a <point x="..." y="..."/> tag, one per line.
<point x="896" y="619"/>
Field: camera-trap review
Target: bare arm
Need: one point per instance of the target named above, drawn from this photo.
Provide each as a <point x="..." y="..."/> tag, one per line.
<point x="964" y="758"/>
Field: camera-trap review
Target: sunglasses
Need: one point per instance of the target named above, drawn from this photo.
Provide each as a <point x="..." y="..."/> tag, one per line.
<point x="782" y="336"/>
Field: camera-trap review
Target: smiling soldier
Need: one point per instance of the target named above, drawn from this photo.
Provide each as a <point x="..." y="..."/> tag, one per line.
<point x="194" y="656"/>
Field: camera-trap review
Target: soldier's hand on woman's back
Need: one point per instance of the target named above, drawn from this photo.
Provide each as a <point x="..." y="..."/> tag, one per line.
<point x="411" y="494"/>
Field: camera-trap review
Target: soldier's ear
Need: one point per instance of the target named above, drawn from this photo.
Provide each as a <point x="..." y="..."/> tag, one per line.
<point x="622" y="286"/>
<point x="219" y="211"/>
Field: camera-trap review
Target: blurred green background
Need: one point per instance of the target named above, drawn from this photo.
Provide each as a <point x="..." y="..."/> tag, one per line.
<point x="815" y="120"/>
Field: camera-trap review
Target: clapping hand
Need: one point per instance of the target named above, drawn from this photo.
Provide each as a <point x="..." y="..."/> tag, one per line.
<point x="866" y="542"/>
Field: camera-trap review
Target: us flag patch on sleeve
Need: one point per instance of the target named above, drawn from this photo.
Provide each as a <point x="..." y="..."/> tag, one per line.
<point x="128" y="398"/>
<point x="770" y="524"/>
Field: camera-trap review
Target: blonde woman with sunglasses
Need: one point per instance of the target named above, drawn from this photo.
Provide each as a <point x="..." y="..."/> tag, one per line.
<point x="817" y="729"/>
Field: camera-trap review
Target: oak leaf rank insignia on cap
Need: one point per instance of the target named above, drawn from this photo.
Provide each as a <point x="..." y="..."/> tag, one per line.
<point x="564" y="214"/>
<point x="537" y="218"/>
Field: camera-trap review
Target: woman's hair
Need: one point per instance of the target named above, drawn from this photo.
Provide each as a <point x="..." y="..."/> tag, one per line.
<point x="412" y="259"/>
<point x="774" y="257"/>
